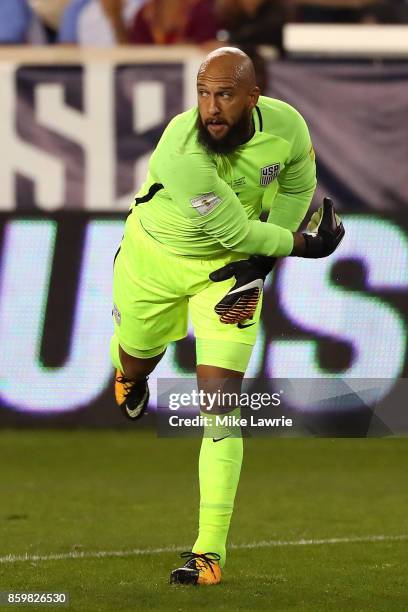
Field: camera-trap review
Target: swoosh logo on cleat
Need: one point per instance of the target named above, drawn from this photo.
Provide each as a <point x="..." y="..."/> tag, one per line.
<point x="242" y="325"/>
<point x="136" y="411"/>
<point x="219" y="439"/>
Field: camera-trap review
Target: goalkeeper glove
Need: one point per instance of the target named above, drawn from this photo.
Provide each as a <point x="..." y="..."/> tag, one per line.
<point x="242" y="299"/>
<point x="323" y="234"/>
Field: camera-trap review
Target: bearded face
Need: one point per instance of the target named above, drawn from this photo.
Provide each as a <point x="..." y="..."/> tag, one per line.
<point x="219" y="136"/>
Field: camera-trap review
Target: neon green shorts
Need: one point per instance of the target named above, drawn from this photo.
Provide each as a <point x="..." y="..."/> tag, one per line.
<point x="155" y="291"/>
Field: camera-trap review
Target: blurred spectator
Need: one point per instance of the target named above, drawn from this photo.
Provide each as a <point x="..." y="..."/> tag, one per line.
<point x="18" y="23"/>
<point x="228" y="11"/>
<point x="159" y="22"/>
<point x="49" y="13"/>
<point x="15" y="19"/>
<point x="202" y="24"/>
<point x="254" y="22"/>
<point x="101" y="23"/>
<point x="175" y="22"/>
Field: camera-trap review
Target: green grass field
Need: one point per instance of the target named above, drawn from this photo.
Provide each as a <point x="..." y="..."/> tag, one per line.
<point x="85" y="492"/>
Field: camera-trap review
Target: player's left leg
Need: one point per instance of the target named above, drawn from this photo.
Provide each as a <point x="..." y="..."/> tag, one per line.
<point x="223" y="353"/>
<point x="220" y="460"/>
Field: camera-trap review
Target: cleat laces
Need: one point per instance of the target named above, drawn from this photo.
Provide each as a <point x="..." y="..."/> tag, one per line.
<point x="195" y="560"/>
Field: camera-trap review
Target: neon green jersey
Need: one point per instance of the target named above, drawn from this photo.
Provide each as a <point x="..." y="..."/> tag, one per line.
<point x="200" y="204"/>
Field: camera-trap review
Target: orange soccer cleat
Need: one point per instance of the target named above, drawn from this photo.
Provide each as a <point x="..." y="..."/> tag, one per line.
<point x="132" y="397"/>
<point x="201" y="568"/>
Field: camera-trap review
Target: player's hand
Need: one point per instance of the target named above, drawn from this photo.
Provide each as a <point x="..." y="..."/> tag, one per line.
<point x="323" y="234"/>
<point x="241" y="300"/>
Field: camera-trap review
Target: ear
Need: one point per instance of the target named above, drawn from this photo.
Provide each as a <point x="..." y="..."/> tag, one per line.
<point x="254" y="96"/>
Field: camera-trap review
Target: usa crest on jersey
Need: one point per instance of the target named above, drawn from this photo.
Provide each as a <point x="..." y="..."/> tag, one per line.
<point x="269" y="174"/>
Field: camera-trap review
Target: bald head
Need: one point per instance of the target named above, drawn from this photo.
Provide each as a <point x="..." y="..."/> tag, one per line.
<point x="229" y="63"/>
<point x="227" y="94"/>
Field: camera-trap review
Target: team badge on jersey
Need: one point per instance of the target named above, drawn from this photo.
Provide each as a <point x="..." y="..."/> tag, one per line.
<point x="205" y="203"/>
<point x="269" y="174"/>
<point x="116" y="314"/>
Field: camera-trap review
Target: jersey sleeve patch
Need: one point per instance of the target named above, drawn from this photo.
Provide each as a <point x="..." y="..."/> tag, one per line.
<point x="205" y="203"/>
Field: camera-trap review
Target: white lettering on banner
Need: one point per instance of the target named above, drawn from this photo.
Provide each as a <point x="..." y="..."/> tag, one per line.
<point x="148" y="105"/>
<point x="146" y="116"/>
<point x="191" y="68"/>
<point x="373" y="328"/>
<point x="92" y="129"/>
<point x="17" y="156"/>
<point x="25" y="383"/>
<point x="149" y="111"/>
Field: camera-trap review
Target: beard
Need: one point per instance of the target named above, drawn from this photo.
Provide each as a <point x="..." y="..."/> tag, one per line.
<point x="237" y="135"/>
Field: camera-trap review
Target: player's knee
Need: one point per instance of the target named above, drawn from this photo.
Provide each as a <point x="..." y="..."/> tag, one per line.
<point x="136" y="368"/>
<point x="221" y="388"/>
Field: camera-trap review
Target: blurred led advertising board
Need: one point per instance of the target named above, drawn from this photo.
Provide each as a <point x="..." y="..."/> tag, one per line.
<point x="344" y="316"/>
<point x="74" y="146"/>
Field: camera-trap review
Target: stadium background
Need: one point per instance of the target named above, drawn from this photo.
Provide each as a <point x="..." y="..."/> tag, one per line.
<point x="77" y="131"/>
<point x="320" y="524"/>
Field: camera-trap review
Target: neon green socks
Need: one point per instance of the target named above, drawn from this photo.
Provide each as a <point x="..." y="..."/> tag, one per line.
<point x="219" y="471"/>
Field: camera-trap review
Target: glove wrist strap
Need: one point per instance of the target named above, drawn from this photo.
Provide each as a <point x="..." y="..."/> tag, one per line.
<point x="315" y="247"/>
<point x="263" y="262"/>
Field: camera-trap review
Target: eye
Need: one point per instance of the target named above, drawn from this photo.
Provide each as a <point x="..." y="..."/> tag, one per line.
<point x="202" y="93"/>
<point x="226" y="94"/>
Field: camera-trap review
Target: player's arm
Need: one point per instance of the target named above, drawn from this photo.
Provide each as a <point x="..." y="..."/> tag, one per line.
<point x="193" y="183"/>
<point x="296" y="185"/>
<point x="297" y="181"/>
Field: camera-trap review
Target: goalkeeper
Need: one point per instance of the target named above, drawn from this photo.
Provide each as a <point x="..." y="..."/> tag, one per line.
<point x="193" y="243"/>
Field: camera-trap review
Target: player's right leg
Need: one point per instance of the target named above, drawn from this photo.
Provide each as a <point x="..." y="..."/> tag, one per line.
<point x="149" y="312"/>
<point x="131" y="386"/>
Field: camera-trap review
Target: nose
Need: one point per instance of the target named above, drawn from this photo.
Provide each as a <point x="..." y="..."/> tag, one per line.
<point x="213" y="108"/>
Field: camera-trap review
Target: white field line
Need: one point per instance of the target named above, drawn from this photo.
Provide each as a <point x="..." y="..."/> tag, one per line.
<point x="100" y="554"/>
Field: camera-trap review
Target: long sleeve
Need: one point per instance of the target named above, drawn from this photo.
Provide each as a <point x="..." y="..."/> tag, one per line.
<point x="297" y="182"/>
